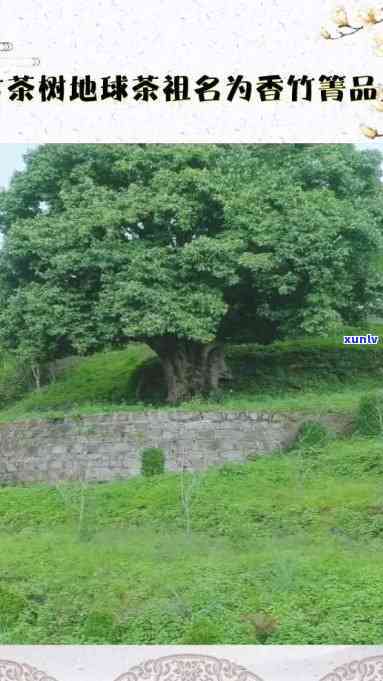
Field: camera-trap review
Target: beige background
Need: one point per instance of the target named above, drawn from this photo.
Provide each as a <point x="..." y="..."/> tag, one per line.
<point x="190" y="37"/>
<point x="105" y="663"/>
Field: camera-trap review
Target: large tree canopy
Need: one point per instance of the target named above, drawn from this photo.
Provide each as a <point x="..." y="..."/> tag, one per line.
<point x="185" y="247"/>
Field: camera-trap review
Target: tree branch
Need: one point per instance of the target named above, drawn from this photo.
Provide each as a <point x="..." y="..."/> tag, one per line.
<point x="354" y="29"/>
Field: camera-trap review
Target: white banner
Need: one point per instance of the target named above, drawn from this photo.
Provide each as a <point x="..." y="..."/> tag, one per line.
<point x="88" y="68"/>
<point x="191" y="663"/>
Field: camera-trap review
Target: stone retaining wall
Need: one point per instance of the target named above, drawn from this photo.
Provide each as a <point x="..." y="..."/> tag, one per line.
<point x="108" y="447"/>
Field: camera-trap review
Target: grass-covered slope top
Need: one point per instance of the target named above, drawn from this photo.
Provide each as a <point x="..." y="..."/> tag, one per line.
<point x="286" y="550"/>
<point x="311" y="375"/>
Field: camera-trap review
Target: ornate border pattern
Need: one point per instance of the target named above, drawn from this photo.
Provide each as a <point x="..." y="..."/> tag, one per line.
<point x="188" y="667"/>
<point x="369" y="669"/>
<point x="12" y="671"/>
<point x="194" y="667"/>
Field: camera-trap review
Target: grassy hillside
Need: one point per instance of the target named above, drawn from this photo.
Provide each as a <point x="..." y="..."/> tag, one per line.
<point x="286" y="549"/>
<point x="306" y="375"/>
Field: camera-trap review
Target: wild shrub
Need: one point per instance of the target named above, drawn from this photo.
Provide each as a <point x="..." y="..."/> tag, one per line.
<point x="152" y="461"/>
<point x="261" y="624"/>
<point x="15" y="381"/>
<point x="369" y="420"/>
<point x="311" y="435"/>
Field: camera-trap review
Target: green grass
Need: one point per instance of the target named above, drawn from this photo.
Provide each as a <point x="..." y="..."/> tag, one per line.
<point x="296" y="536"/>
<point x="286" y="549"/>
<point x="324" y="398"/>
<point x="309" y="375"/>
<point x="105" y="379"/>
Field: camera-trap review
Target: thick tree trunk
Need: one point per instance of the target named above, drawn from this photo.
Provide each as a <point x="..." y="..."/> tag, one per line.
<point x="190" y="368"/>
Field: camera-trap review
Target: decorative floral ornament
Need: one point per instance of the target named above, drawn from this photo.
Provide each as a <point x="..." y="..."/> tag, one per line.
<point x="188" y="667"/>
<point x="191" y="667"/>
<point x="13" y="671"/>
<point x="194" y="667"/>
<point x="368" y="17"/>
<point x="340" y="18"/>
<point x="369" y="669"/>
<point x="325" y="33"/>
<point x="369" y="132"/>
